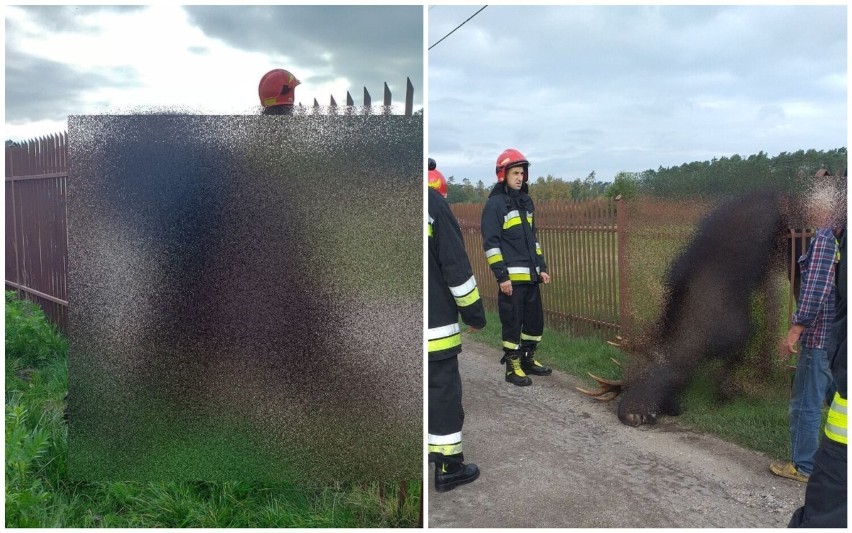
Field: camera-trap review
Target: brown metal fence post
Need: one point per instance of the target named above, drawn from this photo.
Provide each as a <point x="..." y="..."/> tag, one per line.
<point x="799" y="241"/>
<point x="792" y="299"/>
<point x="621" y="226"/>
<point x="14" y="239"/>
<point x="403" y="488"/>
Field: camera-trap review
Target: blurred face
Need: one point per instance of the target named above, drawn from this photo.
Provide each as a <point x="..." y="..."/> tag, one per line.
<point x="515" y="177"/>
<point x="822" y="206"/>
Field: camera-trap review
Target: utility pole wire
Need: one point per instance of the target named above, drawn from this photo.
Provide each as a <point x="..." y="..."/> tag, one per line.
<point x="457" y="27"/>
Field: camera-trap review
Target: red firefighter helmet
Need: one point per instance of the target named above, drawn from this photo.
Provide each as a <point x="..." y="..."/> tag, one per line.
<point x="277" y="87"/>
<point x="437" y="182"/>
<point x="508" y="159"/>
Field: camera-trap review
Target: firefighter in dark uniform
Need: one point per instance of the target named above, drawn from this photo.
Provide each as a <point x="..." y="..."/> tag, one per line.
<point x="515" y="256"/>
<point x="452" y="292"/>
<point x="825" y="496"/>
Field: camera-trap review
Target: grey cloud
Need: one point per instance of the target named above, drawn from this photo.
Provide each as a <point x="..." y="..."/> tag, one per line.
<point x="663" y="83"/>
<point x="41" y="89"/>
<point x="642" y="44"/>
<point x="70" y="18"/>
<point x="369" y="45"/>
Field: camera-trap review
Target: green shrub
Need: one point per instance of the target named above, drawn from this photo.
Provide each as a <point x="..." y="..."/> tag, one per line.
<point x="30" y="338"/>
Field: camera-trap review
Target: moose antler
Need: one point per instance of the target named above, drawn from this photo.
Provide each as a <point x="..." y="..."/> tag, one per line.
<point x="608" y="389"/>
<point x="617" y="343"/>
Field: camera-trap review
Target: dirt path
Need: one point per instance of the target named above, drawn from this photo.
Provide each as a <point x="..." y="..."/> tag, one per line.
<point x="551" y="457"/>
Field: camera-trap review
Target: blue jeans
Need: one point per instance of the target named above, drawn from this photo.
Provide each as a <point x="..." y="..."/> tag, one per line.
<point x="810" y="385"/>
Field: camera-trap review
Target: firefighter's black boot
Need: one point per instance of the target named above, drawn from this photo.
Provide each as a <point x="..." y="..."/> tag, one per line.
<point x="531" y="366"/>
<point x="514" y="373"/>
<point x="450" y="475"/>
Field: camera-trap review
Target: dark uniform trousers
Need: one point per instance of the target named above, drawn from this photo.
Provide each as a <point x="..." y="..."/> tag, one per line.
<point x="521" y="316"/>
<point x="825" y="497"/>
<point x="446" y="414"/>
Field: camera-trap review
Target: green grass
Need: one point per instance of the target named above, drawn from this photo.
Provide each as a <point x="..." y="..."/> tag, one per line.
<point x="40" y="494"/>
<point x="757" y="420"/>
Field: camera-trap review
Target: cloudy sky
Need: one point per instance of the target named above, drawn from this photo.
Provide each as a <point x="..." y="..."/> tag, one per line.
<point x="64" y="61"/>
<point x="630" y="88"/>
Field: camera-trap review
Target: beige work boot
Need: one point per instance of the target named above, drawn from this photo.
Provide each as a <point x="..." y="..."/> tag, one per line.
<point x="788" y="470"/>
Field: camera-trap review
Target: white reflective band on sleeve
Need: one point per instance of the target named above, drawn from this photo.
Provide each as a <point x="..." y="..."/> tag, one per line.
<point x="431" y="220"/>
<point x="519" y="270"/>
<point x="492" y="251"/>
<point x="511" y="214"/>
<point x="445" y="439"/>
<point x="538" y="270"/>
<point x="460" y="290"/>
<point x="443" y="331"/>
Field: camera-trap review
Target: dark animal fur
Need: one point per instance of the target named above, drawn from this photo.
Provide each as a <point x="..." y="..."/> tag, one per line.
<point x="706" y="313"/>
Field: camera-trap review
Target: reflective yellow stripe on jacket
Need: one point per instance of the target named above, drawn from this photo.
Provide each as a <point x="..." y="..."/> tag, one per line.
<point x="493" y="255"/>
<point x="466" y="294"/>
<point x="444" y="337"/>
<point x="521" y="273"/>
<point x="512" y="218"/>
<point x="835" y="425"/>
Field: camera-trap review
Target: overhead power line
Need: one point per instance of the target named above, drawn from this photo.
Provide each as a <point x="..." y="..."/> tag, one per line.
<point x="457" y="27"/>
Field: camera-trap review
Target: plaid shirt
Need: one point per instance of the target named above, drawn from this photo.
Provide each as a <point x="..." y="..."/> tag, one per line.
<point x="815" y="309"/>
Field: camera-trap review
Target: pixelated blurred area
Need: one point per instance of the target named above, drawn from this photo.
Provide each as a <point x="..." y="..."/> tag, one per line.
<point x="246" y="297"/>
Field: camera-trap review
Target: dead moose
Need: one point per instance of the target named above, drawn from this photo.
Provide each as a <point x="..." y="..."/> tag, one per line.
<point x="709" y="286"/>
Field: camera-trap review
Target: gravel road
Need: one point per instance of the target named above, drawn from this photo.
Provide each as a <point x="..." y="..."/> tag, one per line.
<point x="551" y="457"/>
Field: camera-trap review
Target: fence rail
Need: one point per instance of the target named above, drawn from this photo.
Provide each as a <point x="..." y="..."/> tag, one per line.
<point x="587" y="245"/>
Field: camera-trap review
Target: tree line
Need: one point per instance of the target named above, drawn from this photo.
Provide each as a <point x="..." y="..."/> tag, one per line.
<point x="788" y="171"/>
